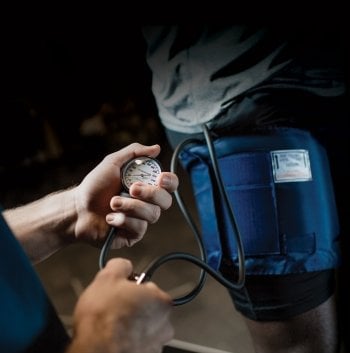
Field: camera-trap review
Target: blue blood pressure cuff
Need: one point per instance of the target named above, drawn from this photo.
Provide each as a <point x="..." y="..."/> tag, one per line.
<point x="280" y="189"/>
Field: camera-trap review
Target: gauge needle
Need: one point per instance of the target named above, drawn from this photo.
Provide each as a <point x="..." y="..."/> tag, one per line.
<point x="142" y="174"/>
<point x="146" y="173"/>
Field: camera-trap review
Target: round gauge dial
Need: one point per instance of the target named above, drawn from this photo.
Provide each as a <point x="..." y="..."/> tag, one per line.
<point x="144" y="169"/>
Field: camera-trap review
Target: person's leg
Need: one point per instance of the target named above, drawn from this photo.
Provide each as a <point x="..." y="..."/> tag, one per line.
<point x="290" y="313"/>
<point x="314" y="331"/>
<point x="286" y="311"/>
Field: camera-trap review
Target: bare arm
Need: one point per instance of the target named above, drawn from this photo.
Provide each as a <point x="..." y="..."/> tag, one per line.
<point x="45" y="225"/>
<point x="84" y="212"/>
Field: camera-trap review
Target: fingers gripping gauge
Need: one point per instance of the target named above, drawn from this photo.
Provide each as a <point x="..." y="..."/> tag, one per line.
<point x="143" y="169"/>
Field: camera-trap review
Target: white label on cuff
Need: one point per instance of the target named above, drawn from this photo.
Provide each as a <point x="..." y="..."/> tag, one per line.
<point x="291" y="165"/>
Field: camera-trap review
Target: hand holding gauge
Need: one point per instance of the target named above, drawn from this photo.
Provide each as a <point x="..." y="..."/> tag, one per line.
<point x="144" y="169"/>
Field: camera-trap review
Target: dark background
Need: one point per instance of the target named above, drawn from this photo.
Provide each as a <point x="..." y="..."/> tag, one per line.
<point x="71" y="95"/>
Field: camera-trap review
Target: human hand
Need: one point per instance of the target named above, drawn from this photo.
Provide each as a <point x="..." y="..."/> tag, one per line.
<point x="115" y="315"/>
<point x="99" y="205"/>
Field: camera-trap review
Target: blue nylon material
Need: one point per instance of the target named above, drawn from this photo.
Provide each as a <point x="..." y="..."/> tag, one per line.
<point x="248" y="182"/>
<point x="287" y="227"/>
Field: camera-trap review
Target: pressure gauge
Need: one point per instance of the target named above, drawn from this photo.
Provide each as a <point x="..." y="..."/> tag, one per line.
<point x="144" y="169"/>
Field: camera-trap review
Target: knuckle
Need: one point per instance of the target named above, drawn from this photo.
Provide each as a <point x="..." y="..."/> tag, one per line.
<point x="135" y="145"/>
<point x="155" y="215"/>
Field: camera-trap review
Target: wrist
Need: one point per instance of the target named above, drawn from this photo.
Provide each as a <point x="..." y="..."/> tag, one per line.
<point x="93" y="342"/>
<point x="45" y="225"/>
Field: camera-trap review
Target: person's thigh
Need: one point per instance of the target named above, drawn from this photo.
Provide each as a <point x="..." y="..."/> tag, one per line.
<point x="312" y="331"/>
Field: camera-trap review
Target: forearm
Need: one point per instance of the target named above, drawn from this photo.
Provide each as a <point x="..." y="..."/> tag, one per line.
<point x="44" y="226"/>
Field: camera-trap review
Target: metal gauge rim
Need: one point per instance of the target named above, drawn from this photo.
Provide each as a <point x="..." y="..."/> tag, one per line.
<point x="144" y="169"/>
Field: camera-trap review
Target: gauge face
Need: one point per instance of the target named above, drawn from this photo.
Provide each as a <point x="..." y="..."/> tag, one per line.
<point x="143" y="169"/>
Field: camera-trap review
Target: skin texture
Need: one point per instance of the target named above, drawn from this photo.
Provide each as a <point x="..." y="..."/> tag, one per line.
<point x="113" y="314"/>
<point x="85" y="212"/>
<point x="293" y="335"/>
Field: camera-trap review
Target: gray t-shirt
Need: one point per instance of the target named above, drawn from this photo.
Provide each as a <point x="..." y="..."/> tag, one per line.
<point x="199" y="73"/>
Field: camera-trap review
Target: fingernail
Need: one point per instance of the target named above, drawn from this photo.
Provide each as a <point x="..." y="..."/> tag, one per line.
<point x="109" y="218"/>
<point x="136" y="190"/>
<point x="116" y="218"/>
<point x="165" y="181"/>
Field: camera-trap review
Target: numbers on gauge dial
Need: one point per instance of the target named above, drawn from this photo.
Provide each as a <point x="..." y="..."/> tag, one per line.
<point x="144" y="169"/>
